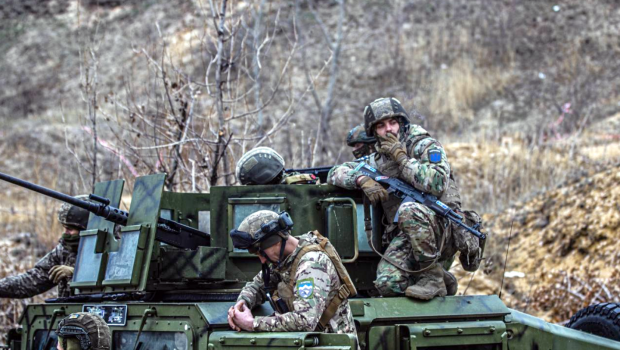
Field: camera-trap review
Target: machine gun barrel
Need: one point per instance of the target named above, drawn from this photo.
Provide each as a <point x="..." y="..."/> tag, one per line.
<point x="169" y="231"/>
<point x="101" y="208"/>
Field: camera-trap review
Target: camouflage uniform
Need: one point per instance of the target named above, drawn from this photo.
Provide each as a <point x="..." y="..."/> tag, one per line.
<point x="421" y="232"/>
<point x="319" y="282"/>
<point x="36" y="280"/>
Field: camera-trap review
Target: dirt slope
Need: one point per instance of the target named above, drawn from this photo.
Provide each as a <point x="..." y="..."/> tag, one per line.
<point x="564" y="249"/>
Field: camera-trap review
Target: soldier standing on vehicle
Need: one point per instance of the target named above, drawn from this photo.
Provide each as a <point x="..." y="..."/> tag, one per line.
<point x="420" y="241"/>
<point x="56" y="267"/>
<point x="362" y="144"/>
<point x="264" y="166"/>
<point x="83" y="331"/>
<point x="312" y="286"/>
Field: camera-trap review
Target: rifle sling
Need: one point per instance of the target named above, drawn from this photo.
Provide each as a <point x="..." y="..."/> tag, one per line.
<point x="368" y="229"/>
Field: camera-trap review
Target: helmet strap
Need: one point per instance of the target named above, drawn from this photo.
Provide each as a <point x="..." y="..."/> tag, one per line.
<point x="282" y="246"/>
<point x="266" y="274"/>
<point x="280" y="258"/>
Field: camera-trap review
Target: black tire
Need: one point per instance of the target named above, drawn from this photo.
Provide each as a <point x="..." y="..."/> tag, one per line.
<point x="601" y="319"/>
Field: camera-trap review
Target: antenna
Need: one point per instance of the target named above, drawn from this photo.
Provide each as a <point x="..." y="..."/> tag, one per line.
<point x="506" y="260"/>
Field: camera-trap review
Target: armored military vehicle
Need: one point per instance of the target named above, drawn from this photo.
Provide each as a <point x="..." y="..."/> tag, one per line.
<point x="164" y="275"/>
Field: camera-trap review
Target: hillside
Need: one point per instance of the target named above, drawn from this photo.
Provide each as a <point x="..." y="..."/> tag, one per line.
<point x="522" y="94"/>
<point x="562" y="249"/>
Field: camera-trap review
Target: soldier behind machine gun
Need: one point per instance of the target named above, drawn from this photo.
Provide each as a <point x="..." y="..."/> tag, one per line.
<point x="56" y="267"/>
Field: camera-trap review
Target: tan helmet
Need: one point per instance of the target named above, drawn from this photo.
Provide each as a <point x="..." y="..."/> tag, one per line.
<point x="260" y="166"/>
<point x="261" y="229"/>
<point x="384" y="108"/>
<point x="90" y="330"/>
<point x="70" y="215"/>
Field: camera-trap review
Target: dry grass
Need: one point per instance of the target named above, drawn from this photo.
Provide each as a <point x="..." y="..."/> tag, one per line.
<point x="494" y="174"/>
<point x="458" y="89"/>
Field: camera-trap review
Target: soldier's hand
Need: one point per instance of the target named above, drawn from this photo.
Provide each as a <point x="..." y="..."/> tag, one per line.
<point x="375" y="192"/>
<point x="60" y="272"/>
<point x="240" y="305"/>
<point x="231" y="315"/>
<point x="391" y="146"/>
<point x="243" y="319"/>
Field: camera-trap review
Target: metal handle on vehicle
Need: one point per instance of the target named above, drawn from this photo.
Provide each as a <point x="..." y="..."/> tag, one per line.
<point x="348" y="200"/>
<point x="150" y="312"/>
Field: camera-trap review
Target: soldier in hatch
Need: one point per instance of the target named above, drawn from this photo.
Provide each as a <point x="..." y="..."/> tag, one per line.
<point x="83" y="331"/>
<point x="362" y="144"/>
<point x="312" y="284"/>
<point x="420" y="241"/>
<point x="56" y="267"/>
<point x="264" y="166"/>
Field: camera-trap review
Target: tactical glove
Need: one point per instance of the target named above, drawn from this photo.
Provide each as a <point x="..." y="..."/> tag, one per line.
<point x="375" y="192"/>
<point x="392" y="147"/>
<point x="59" y="272"/>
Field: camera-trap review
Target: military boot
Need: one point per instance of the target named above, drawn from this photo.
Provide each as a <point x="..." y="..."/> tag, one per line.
<point x="430" y="284"/>
<point x="452" y="285"/>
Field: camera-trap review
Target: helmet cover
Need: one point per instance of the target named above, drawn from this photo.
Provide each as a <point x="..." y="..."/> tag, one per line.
<point x="381" y="109"/>
<point x="91" y="330"/>
<point x="70" y="215"/>
<point x="259" y="166"/>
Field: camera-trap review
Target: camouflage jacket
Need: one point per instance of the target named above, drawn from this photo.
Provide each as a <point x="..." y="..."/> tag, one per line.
<point x="36" y="280"/>
<point x="431" y="177"/>
<point x="316" y="284"/>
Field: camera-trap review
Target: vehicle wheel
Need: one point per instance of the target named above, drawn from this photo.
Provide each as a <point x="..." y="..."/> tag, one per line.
<point x="601" y="319"/>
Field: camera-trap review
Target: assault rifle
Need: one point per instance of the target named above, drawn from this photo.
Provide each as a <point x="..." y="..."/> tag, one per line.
<point x="168" y="231"/>
<point x="409" y="193"/>
<point x="320" y="172"/>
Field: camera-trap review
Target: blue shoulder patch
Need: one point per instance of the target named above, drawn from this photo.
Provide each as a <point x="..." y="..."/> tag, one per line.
<point x="434" y="156"/>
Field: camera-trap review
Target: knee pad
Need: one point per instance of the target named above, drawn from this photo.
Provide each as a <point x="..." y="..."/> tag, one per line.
<point x="389" y="287"/>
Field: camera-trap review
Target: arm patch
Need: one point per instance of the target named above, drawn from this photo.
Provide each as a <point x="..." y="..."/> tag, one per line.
<point x="305" y="288"/>
<point x="434" y="156"/>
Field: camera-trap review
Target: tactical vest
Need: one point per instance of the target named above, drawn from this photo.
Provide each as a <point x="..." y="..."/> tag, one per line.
<point x="346" y="290"/>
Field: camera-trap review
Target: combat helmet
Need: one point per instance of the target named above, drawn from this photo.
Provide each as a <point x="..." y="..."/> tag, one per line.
<point x="383" y="108"/>
<point x="72" y="216"/>
<point x="261" y="230"/>
<point x="90" y="330"/>
<point x="260" y="166"/>
<point x="358" y="135"/>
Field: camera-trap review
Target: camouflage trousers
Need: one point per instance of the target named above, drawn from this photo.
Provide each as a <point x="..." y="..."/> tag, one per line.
<point x="421" y="232"/>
